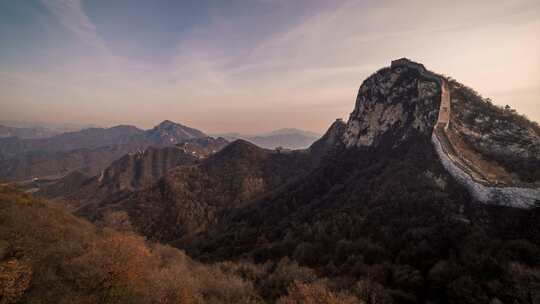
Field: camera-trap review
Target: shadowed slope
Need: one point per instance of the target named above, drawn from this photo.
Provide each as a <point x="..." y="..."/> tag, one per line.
<point x="190" y="198"/>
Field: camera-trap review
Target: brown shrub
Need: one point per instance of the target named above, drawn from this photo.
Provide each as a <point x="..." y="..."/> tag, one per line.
<point x="372" y="293"/>
<point x="15" y="278"/>
<point x="67" y="260"/>
<point x="316" y="293"/>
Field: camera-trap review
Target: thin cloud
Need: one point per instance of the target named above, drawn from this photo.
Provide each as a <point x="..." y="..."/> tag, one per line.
<point x="71" y="15"/>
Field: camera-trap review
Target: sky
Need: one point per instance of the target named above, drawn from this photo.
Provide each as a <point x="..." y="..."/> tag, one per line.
<point x="252" y="65"/>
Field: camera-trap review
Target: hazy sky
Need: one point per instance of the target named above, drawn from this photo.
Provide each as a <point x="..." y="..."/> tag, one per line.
<point x="250" y="66"/>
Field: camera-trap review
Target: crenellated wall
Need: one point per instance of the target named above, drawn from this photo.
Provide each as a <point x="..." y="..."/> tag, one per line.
<point x="444" y="109"/>
<point x="507" y="196"/>
<point x="480" y="189"/>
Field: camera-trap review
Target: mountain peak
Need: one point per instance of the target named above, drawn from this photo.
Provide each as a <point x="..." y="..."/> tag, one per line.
<point x="169" y="132"/>
<point x="330" y="140"/>
<point x="238" y="150"/>
<point x="168" y="124"/>
<point x="404" y="61"/>
<point x="393" y="104"/>
<point x="488" y="149"/>
<point x="241" y="146"/>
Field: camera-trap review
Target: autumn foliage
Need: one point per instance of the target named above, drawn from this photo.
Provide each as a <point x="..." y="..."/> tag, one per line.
<point x="50" y="256"/>
<point x="47" y="255"/>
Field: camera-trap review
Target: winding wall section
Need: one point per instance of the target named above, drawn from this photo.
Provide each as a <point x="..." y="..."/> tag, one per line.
<point x="454" y="163"/>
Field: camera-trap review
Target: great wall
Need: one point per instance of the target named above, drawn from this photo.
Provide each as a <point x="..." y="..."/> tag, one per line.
<point x="458" y="166"/>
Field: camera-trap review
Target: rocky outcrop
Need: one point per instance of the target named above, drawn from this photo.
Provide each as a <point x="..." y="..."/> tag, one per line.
<point x="393" y="103"/>
<point x="143" y="168"/>
<point x="330" y="140"/>
<point x="407" y="99"/>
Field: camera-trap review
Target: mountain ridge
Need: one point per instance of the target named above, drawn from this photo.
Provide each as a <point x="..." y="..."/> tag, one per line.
<point x="89" y="150"/>
<point x="191" y="197"/>
<point x="131" y="172"/>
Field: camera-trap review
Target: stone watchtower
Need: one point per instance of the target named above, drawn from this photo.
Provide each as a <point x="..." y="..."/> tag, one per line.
<point x="444" y="110"/>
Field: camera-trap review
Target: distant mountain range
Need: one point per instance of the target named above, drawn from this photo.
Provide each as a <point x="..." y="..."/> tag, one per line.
<point x="289" y="138"/>
<point x="41" y="153"/>
<point x="51" y="127"/>
<point x="88" y="150"/>
<point x="28" y="133"/>
<point x="166" y="133"/>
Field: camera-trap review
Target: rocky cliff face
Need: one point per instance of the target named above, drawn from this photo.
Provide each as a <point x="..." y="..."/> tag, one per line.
<point x="130" y="172"/>
<point x="330" y="141"/>
<point x="142" y="168"/>
<point x="393" y="104"/>
<point x="494" y="152"/>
